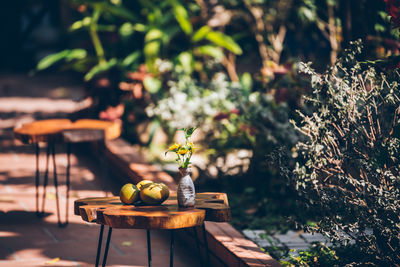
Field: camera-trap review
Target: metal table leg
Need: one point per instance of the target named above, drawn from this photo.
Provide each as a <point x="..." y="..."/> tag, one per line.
<point x="68" y="181"/>
<point x="37" y="177"/>
<point x="148" y="248"/>
<point x="99" y="245"/>
<point x="53" y="153"/>
<point x="107" y="246"/>
<point x="46" y="177"/>
<point x="171" y="249"/>
<point x="53" y="150"/>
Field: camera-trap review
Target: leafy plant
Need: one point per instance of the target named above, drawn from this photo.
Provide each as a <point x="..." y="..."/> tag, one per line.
<point x="318" y="255"/>
<point x="351" y="170"/>
<point x="153" y="25"/>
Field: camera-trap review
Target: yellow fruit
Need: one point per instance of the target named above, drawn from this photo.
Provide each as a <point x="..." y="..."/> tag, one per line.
<point x="165" y="191"/>
<point x="143" y="183"/>
<point x="154" y="194"/>
<point x="129" y="193"/>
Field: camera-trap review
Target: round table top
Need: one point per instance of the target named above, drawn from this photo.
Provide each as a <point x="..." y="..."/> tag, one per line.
<point x="52" y="129"/>
<point x="110" y="211"/>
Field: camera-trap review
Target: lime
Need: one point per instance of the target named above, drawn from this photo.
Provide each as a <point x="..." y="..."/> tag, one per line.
<point x="129" y="193"/>
<point x="154" y="194"/>
<point x="143" y="183"/>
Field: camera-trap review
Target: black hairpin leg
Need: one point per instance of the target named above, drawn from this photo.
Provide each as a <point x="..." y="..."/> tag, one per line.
<point x="60" y="224"/>
<point x="206" y="244"/>
<point x="198" y="246"/>
<point x="46" y="177"/>
<point x="107" y="246"/>
<point x="148" y="248"/>
<point x="99" y="245"/>
<point x="171" y="250"/>
<point x="37" y="177"/>
<point x="68" y="181"/>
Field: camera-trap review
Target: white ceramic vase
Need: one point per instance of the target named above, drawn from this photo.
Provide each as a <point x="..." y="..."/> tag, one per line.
<point x="186" y="194"/>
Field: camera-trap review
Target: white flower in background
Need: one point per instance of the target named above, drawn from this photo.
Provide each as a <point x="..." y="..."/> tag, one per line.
<point x="163" y="65"/>
<point x="189" y="104"/>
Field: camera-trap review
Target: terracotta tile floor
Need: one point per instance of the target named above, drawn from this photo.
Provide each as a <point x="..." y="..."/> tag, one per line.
<point x="26" y="240"/>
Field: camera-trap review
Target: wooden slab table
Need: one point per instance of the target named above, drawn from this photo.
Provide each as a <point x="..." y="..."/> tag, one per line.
<point x="63" y="131"/>
<point x="168" y="216"/>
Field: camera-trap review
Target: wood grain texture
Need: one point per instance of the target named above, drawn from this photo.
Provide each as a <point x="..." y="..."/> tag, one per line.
<point x="110" y="211"/>
<point x="151" y="217"/>
<point x="41" y="131"/>
<point x="51" y="130"/>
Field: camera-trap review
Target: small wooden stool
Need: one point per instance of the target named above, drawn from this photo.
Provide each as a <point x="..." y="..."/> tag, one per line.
<point x="55" y="131"/>
<point x="110" y="211"/>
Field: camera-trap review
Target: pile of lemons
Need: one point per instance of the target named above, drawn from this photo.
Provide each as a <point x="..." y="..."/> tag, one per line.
<point x="145" y="192"/>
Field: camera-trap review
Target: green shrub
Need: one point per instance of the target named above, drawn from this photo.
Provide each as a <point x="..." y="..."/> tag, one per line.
<point x="350" y="174"/>
<point x="318" y="255"/>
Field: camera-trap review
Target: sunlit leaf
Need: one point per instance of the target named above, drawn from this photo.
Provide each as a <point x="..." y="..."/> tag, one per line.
<point x="68" y="55"/>
<point x="152" y="84"/>
<point x="306" y="14"/>
<point x="80" y="24"/>
<point x="126" y="29"/>
<point x="225" y="41"/>
<point x="51" y="59"/>
<point x="131" y="58"/>
<point x="187" y="61"/>
<point x="201" y="33"/>
<point x="139" y="27"/>
<point x="76" y="54"/>
<point x="152" y="46"/>
<point x="182" y="17"/>
<point x="247" y="81"/>
<point x="100" y="68"/>
<point x="153" y="34"/>
<point x="116" y="2"/>
<point x="152" y="49"/>
<point x="379" y="27"/>
<point x="210" y="50"/>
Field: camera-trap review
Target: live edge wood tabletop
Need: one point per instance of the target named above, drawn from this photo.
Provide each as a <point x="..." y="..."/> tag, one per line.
<point x="110" y="211"/>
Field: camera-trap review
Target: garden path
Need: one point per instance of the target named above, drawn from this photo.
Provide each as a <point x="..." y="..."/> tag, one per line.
<point x="26" y="240"/>
<point x="291" y="241"/>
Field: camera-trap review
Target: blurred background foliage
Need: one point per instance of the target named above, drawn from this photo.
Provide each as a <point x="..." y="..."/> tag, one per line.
<point x="229" y="67"/>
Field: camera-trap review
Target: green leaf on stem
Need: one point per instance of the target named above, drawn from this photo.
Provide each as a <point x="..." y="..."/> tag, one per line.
<point x="68" y="55"/>
<point x="153" y="85"/>
<point x="131" y="58"/>
<point x="100" y="68"/>
<point x="224" y="41"/>
<point x="182" y="17"/>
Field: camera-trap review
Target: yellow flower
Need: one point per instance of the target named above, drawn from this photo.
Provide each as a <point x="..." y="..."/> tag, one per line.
<point x="182" y="151"/>
<point x="173" y="147"/>
<point x="192" y="147"/>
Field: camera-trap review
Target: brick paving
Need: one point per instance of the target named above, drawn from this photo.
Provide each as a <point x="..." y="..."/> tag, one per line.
<point x="26" y="240"/>
<point x="293" y="241"/>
